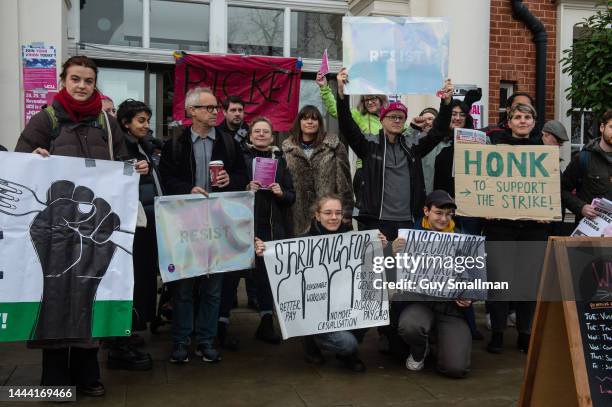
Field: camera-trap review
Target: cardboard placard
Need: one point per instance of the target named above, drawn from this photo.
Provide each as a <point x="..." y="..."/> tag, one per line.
<point x="508" y="182"/>
<point x="327" y="283"/>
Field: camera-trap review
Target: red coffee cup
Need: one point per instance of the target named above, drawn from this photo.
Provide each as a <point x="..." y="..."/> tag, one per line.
<point x="214" y="167"/>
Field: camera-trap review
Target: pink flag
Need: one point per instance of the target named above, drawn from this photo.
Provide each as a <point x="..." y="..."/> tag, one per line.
<point x="324" y="69"/>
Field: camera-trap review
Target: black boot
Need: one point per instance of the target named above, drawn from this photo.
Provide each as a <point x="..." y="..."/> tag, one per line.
<point x="352" y="362"/>
<point x="312" y="353"/>
<point x="226" y="342"/>
<point x="93" y="389"/>
<point x="129" y="358"/>
<point x="522" y="343"/>
<point x="136" y="340"/>
<point x="265" y="330"/>
<point x="497" y="343"/>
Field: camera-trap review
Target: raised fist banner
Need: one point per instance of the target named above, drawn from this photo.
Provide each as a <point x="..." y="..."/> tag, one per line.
<point x="65" y="249"/>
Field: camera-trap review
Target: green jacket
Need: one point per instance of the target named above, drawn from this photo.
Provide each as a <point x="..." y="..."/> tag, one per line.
<point x="369" y="123"/>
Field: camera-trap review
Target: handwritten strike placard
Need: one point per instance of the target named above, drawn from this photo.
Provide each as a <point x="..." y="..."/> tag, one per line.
<point x="596" y="331"/>
<point x="326" y="283"/>
<point x="508" y="182"/>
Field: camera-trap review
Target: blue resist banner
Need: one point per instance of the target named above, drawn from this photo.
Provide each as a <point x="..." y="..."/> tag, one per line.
<point x="395" y="55"/>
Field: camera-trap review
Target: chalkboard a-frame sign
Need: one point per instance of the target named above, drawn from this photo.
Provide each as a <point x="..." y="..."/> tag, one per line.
<point x="570" y="353"/>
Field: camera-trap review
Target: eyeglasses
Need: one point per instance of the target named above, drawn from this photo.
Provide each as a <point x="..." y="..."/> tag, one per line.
<point x="209" y="108"/>
<point x="395" y="118"/>
<point x="370" y="100"/>
<point x="330" y="213"/>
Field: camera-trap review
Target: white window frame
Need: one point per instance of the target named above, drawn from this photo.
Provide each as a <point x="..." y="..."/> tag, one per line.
<point x="568" y="15"/>
<point x="217" y="34"/>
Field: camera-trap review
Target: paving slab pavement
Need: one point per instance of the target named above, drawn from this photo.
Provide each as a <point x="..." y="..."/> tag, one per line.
<point x="260" y="374"/>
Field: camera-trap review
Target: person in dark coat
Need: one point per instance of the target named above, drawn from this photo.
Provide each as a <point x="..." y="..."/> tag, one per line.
<point x="184" y="170"/>
<point x="72" y="127"/>
<point x="443" y="168"/>
<point x="515" y="248"/>
<point x="234" y="127"/>
<point x="134" y="118"/>
<point x="589" y="173"/>
<point x="393" y="189"/>
<point x="273" y="219"/>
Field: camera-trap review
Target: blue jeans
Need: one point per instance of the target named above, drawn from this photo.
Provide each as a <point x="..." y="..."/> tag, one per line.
<point x="341" y="343"/>
<point x="209" y="291"/>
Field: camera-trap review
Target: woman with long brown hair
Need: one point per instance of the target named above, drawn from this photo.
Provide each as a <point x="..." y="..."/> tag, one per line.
<point x="318" y="162"/>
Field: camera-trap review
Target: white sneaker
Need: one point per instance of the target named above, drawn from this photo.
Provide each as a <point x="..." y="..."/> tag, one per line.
<point x="414" y="365"/>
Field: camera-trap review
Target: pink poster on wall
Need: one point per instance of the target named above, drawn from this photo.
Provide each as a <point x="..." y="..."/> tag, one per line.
<point x="39" y="77"/>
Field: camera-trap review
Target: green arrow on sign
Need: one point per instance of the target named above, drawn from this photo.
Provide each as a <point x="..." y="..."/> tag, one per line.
<point x="466" y="192"/>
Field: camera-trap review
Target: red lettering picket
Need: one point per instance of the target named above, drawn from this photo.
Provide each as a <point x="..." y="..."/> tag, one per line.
<point x="269" y="86"/>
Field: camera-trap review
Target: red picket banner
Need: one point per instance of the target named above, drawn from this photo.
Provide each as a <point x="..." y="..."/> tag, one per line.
<point x="269" y="86"/>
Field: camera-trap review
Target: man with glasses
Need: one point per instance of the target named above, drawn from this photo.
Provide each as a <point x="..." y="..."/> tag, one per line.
<point x="393" y="190"/>
<point x="184" y="170"/>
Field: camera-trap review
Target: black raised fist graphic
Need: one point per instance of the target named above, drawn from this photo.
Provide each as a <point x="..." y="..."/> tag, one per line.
<point x="71" y="237"/>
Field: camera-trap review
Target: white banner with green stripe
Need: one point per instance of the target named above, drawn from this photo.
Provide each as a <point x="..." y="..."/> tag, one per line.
<point x="66" y="232"/>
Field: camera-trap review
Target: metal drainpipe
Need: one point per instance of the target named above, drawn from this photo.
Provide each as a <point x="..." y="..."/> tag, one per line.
<point x="540" y="38"/>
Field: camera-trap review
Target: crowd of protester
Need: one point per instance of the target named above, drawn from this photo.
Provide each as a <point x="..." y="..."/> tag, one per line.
<point x="404" y="180"/>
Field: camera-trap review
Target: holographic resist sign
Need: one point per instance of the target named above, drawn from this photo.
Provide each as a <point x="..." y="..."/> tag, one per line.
<point x="198" y="235"/>
<point x="395" y="55"/>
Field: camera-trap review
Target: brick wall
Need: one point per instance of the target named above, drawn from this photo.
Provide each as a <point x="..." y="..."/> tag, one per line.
<point x="512" y="53"/>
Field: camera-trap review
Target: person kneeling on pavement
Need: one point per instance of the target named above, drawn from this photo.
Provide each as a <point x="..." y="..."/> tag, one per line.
<point x="328" y="220"/>
<point x="420" y="319"/>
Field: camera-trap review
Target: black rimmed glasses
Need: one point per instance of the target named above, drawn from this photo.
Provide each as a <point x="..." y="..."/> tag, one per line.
<point x="209" y="108"/>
